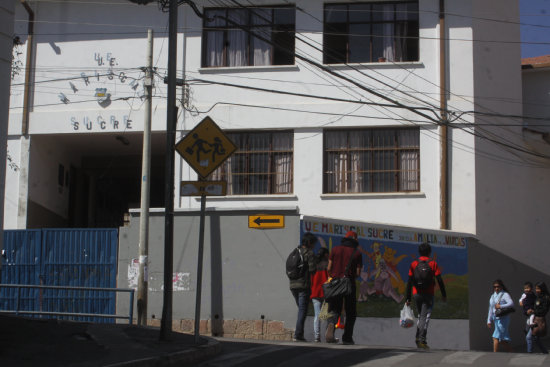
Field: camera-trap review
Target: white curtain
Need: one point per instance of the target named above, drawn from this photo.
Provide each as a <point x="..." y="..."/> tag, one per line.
<point x="236" y="48"/>
<point x="262" y="49"/>
<point x="409" y="160"/>
<point x="282" y="160"/>
<point x="388" y="32"/>
<point x="214" y="43"/>
<point x="261" y="149"/>
<point x="337" y="158"/>
<point x="357" y="144"/>
<point x="401" y="32"/>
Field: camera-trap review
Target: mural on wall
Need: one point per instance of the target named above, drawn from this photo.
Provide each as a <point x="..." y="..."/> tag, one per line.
<point x="387" y="254"/>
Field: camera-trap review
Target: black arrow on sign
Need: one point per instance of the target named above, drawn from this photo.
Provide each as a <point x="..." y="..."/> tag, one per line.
<point x="259" y="221"/>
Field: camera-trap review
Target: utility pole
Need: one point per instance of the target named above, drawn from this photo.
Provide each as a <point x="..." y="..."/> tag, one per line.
<point x="143" y="283"/>
<point x="171" y="119"/>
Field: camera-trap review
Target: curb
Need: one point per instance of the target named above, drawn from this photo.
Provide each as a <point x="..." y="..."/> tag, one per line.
<point x="191" y="355"/>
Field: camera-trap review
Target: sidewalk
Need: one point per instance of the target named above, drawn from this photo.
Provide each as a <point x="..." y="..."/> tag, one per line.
<point x="45" y="343"/>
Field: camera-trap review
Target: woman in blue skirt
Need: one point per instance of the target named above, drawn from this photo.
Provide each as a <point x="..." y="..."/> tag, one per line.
<point x="500" y="299"/>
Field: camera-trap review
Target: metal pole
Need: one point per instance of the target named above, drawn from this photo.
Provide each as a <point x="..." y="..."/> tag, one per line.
<point x="199" y="270"/>
<point x="444" y="180"/>
<point x="166" y="322"/>
<point x="145" y="189"/>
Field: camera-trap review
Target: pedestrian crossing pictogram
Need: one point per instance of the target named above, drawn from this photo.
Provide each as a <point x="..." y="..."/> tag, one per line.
<point x="205" y="147"/>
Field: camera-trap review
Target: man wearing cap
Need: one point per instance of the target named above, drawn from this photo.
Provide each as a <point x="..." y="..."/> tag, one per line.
<point x="338" y="260"/>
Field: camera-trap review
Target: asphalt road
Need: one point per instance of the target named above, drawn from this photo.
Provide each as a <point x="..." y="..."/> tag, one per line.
<point x="284" y="354"/>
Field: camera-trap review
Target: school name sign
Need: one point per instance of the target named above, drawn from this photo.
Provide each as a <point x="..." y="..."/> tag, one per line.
<point x="318" y="226"/>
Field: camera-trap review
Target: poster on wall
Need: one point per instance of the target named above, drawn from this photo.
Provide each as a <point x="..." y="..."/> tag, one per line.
<point x="387" y="254"/>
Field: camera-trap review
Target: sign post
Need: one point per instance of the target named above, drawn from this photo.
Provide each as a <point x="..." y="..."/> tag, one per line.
<point x="204" y="148"/>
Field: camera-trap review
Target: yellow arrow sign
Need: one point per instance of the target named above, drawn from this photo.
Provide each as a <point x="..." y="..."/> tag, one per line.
<point x="199" y="188"/>
<point x="205" y="147"/>
<point x="266" y="221"/>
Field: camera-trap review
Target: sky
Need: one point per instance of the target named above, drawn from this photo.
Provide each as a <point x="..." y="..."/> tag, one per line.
<point x="535" y="12"/>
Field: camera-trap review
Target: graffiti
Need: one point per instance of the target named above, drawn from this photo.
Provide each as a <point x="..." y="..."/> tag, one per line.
<point x="11" y="163"/>
<point x="16" y="64"/>
<point x="181" y="282"/>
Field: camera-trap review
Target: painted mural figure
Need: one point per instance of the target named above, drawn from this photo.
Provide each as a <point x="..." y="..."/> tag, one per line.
<point x="384" y="273"/>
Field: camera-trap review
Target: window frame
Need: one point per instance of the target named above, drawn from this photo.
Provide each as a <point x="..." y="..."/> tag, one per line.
<point x="277" y="30"/>
<point x="346" y="183"/>
<point x="247" y="156"/>
<point x="340" y="31"/>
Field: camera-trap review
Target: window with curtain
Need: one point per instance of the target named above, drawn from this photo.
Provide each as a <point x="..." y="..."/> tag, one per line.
<point x="371" y="160"/>
<point x="371" y="32"/>
<point x="252" y="36"/>
<point x="261" y="165"/>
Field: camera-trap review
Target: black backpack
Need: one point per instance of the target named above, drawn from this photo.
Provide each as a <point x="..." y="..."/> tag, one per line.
<point x="423" y="275"/>
<point x="295" y="265"/>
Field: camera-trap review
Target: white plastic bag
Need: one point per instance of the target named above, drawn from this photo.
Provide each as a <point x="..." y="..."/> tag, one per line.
<point x="407" y="317"/>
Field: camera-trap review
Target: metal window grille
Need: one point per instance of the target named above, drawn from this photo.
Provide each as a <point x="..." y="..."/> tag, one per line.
<point x="261" y="165"/>
<point x="371" y="160"/>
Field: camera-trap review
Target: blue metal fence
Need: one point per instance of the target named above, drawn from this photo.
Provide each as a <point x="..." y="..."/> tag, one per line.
<point x="61" y="257"/>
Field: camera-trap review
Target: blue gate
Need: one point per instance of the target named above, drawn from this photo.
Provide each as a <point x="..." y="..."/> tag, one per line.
<point x="61" y="257"/>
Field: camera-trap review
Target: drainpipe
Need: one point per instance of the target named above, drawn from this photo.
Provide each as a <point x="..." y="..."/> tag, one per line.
<point x="444" y="180"/>
<point x="26" y="98"/>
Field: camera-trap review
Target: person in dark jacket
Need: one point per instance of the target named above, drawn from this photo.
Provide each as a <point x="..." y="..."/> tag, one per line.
<point x="542" y="305"/>
<point x="527" y="302"/>
<point x="301" y="287"/>
<point x="338" y="260"/>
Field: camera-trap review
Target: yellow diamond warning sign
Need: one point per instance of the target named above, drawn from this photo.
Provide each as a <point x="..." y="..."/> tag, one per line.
<point x="205" y="147"/>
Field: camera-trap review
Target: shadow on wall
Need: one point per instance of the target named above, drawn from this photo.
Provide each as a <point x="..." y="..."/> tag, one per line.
<point x="486" y="265"/>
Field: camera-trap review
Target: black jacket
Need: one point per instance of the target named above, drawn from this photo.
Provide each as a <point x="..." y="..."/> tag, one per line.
<point x="305" y="281"/>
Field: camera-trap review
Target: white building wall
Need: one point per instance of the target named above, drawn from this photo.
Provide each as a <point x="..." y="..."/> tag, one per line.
<point x="478" y="71"/>
<point x="508" y="181"/>
<point x="6" y="45"/>
<point x="12" y="183"/>
<point x="419" y="79"/>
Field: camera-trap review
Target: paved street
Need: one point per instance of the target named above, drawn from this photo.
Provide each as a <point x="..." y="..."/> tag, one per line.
<point x="284" y="354"/>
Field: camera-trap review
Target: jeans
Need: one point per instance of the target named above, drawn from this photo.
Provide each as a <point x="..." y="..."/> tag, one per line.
<point x="301" y="296"/>
<point x="424" y="305"/>
<point x="317" y="303"/>
<point x="530" y="338"/>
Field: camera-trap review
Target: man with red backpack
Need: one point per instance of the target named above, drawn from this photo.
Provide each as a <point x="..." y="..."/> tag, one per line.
<point x="422" y="275"/>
